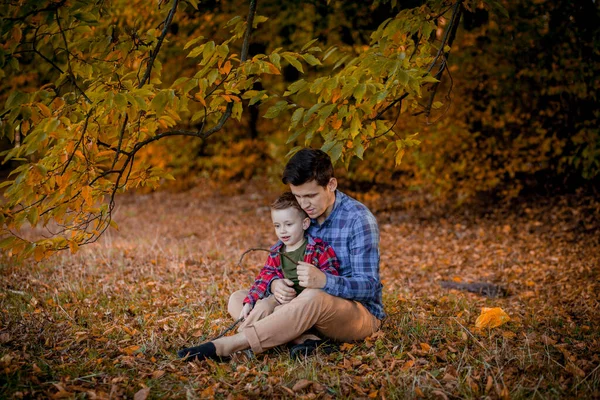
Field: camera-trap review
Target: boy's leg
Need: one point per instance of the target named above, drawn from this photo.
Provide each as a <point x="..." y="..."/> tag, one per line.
<point x="261" y="309"/>
<point x="235" y="305"/>
<point x="334" y="317"/>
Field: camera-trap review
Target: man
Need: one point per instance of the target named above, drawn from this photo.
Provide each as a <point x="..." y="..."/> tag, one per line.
<point x="345" y="308"/>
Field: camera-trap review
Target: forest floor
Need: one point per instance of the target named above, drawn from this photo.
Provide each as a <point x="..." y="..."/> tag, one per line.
<point x="107" y="321"/>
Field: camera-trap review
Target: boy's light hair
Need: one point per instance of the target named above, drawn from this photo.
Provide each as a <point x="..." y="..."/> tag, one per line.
<point x="288" y="200"/>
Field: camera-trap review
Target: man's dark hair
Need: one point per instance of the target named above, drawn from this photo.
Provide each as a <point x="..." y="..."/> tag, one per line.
<point x="308" y="165"/>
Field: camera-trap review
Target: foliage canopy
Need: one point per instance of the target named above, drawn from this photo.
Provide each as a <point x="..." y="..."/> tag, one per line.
<point x="90" y="89"/>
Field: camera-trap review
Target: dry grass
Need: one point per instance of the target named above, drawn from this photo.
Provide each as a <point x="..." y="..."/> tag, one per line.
<point x="106" y="322"/>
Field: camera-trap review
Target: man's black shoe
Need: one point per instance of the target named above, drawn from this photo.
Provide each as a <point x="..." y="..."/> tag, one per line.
<point x="310" y="346"/>
<point x="202" y="352"/>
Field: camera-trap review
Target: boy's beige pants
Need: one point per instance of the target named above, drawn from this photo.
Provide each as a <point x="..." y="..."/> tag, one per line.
<point x="272" y="324"/>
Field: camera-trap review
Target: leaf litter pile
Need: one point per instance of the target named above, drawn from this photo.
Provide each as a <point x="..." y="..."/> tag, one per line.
<point x="106" y="322"/>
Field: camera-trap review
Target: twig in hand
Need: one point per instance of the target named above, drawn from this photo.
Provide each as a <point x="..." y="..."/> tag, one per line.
<point x="268" y="251"/>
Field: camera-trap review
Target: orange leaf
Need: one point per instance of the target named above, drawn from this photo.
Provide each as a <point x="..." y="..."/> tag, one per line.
<point x="407" y="365"/>
<point x="491" y="318"/>
<point x="44" y="109"/>
<point x="425" y="347"/>
<point x="130" y="350"/>
<point x="346" y="346"/>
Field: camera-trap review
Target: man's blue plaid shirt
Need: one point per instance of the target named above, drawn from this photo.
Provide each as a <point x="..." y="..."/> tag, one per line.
<point x="353" y="233"/>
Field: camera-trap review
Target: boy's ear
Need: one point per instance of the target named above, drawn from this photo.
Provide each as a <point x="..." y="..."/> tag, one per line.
<point x="305" y="223"/>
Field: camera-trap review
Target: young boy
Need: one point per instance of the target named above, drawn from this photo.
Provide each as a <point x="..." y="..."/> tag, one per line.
<point x="290" y="222"/>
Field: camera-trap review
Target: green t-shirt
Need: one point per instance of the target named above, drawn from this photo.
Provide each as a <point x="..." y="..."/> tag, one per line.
<point x="289" y="268"/>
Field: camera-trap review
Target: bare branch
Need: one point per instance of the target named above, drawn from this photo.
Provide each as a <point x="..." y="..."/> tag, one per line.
<point x="449" y="36"/>
<point x="159" y="43"/>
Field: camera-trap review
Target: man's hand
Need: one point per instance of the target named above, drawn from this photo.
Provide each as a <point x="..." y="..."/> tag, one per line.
<point x="246" y="310"/>
<point x="310" y="276"/>
<point x="283" y="290"/>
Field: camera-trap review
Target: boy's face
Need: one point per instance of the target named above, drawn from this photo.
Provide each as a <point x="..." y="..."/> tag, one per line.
<point x="289" y="226"/>
<point x="316" y="200"/>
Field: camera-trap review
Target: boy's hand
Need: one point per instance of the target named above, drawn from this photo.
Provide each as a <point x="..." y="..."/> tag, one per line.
<point x="246" y="310"/>
<point x="310" y="276"/>
<point x="283" y="290"/>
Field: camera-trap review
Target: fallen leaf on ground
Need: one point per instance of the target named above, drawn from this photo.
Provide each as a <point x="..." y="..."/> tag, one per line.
<point x="407" y="365"/>
<point x="491" y="318"/>
<point x="141" y="394"/>
<point x="301" y="384"/>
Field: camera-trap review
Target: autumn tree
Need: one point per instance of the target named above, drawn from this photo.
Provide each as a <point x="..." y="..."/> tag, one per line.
<point x="88" y="86"/>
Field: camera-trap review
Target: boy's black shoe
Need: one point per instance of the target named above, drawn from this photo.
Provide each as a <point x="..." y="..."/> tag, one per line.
<point x="310" y="346"/>
<point x="202" y="352"/>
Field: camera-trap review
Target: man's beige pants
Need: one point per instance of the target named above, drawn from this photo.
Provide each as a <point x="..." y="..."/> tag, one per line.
<point x="271" y="324"/>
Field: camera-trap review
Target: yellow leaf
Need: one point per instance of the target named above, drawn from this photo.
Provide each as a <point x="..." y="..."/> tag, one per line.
<point x="130" y="350"/>
<point x="86" y="193"/>
<point x="346" y="346"/>
<point x="425" y="347"/>
<point x="491" y="318"/>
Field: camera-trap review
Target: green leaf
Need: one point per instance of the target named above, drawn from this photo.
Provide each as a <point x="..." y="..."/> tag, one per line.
<point x="296" y="87"/>
<point x="329" y="52"/>
<point x="296" y="117"/>
<point x="259" y="19"/>
<point x="295" y="63"/>
<point x="120" y="100"/>
<point x="16" y="98"/>
<point x="307" y="45"/>
<point x="159" y="102"/>
<point x="7" y="242"/>
<point x="311" y="110"/>
<point x="276" y="60"/>
<point x="340" y="61"/>
<point x="360" y="91"/>
<point x="336" y="152"/>
<point x="193" y="42"/>
<point x="312" y="60"/>
<point x="275" y="110"/>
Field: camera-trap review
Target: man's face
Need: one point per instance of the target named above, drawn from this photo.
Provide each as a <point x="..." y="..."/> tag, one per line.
<point x="316" y="200"/>
<point x="290" y="225"/>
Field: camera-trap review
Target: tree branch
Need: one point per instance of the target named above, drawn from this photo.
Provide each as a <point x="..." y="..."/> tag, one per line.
<point x="68" y="53"/>
<point x="159" y="43"/>
<point x="449" y="36"/>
